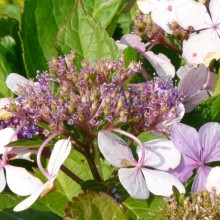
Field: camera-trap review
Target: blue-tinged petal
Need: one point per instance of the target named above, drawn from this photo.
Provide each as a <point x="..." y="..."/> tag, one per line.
<point x="133" y="181"/>
<point x="114" y="149"/>
<point x="209" y="137"/>
<point x="160" y="154"/>
<point x="186" y="140"/>
<point x="161" y="183"/>
<point x="200" y="180"/>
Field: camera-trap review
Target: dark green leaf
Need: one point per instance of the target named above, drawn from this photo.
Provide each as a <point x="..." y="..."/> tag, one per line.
<point x="207" y="111"/>
<point x="83" y="35"/>
<point x="7" y="50"/>
<point x="40" y="22"/>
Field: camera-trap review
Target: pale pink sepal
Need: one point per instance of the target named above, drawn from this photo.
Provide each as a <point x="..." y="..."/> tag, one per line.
<point x="33" y="197"/>
<point x="20" y="181"/>
<point x="14" y="80"/>
<point x="161" y="183"/>
<point x="59" y="154"/>
<point x="133" y="181"/>
<point x="2" y="179"/>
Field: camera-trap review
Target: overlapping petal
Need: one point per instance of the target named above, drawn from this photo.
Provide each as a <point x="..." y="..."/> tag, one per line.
<point x="114" y="149"/>
<point x="160" y="154"/>
<point x="185" y="169"/>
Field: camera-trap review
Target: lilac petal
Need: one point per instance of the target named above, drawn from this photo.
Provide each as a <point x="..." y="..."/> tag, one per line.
<point x="160" y="154"/>
<point x="134" y="41"/>
<point x="59" y="154"/>
<point x="193" y="101"/>
<point x="114" y="149"/>
<point x="161" y="64"/>
<point x="161" y="183"/>
<point x="185" y="169"/>
<point x="193" y="81"/>
<point x="2" y="179"/>
<point x="209" y="137"/>
<point x="20" y="181"/>
<point x="200" y="180"/>
<point x="183" y="70"/>
<point x="186" y="140"/>
<point x="133" y="181"/>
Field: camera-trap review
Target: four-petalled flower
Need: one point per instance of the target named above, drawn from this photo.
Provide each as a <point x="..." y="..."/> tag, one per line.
<point x="58" y="156"/>
<point x="197" y="149"/>
<point x="136" y="179"/>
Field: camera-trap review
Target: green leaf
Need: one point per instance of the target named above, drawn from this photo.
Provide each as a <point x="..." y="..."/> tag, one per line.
<point x="77" y="163"/>
<point x="92" y="206"/>
<point x="40" y="210"/>
<point x="207" y="111"/>
<point x="144" y="209"/>
<point x="83" y="35"/>
<point x="217" y="86"/>
<point x="148" y="136"/>
<point x="103" y="11"/>
<point x="26" y="143"/>
<point x="40" y="22"/>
